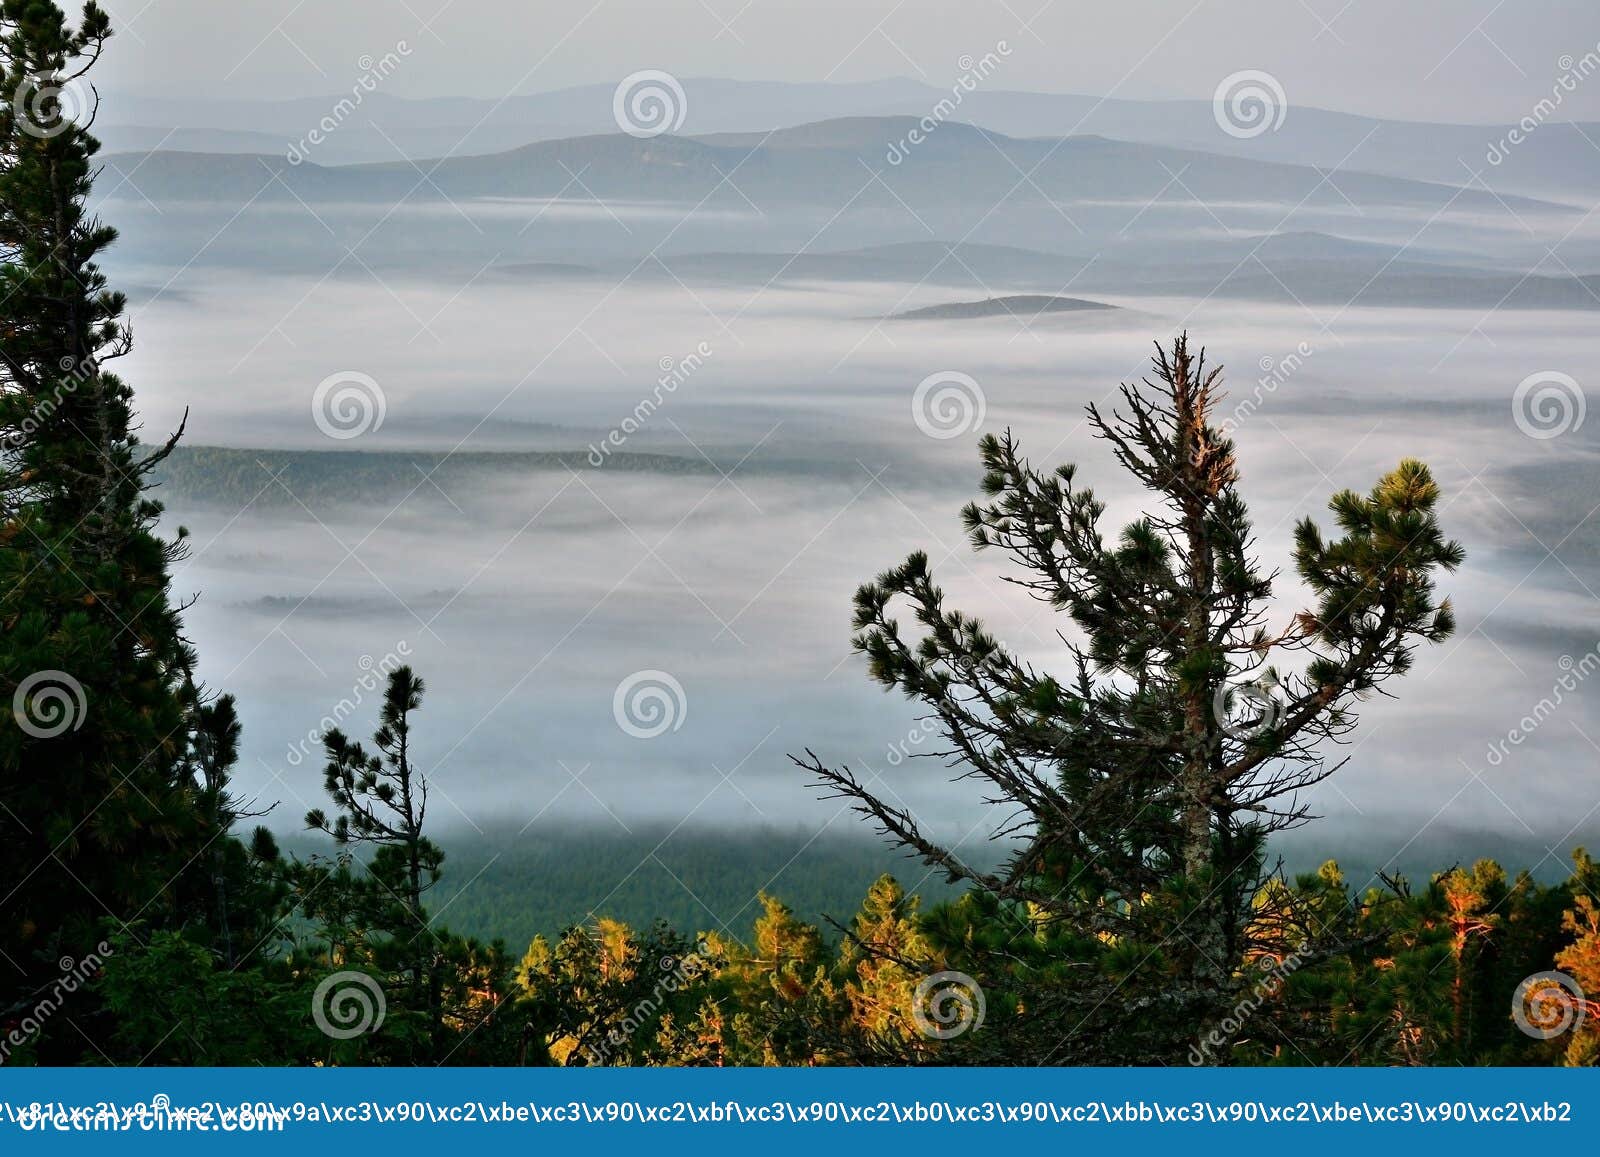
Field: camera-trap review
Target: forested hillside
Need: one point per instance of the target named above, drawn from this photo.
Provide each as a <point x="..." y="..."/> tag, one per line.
<point x="514" y="885"/>
<point x="1159" y="690"/>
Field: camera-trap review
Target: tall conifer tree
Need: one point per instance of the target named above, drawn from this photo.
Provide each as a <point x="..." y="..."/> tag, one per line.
<point x="1140" y="784"/>
<point x="98" y="812"/>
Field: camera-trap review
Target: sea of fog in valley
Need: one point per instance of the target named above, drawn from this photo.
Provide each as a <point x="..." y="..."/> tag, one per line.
<point x="481" y="532"/>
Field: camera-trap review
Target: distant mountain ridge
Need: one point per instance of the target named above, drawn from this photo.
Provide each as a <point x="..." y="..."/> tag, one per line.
<point x="1556" y="159"/>
<point x="831" y="163"/>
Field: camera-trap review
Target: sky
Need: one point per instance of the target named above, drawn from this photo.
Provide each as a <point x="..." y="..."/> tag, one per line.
<point x="1441" y="60"/>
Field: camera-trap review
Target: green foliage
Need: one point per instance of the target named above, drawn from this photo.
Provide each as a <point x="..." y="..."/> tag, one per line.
<point x="1136" y="921"/>
<point x="514" y="886"/>
<point x="170" y="1002"/>
<point x="1140" y="795"/>
<point x="603" y="996"/>
<point x="1428" y="978"/>
<point x="113" y="801"/>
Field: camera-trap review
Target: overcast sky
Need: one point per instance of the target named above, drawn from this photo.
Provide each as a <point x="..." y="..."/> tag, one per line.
<point x="1455" y="60"/>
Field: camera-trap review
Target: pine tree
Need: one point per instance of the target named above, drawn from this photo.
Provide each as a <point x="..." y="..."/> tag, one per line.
<point x="883" y="957"/>
<point x="98" y="815"/>
<point x="1471" y="901"/>
<point x="235" y="897"/>
<point x="791" y="1014"/>
<point x="1144" y="781"/>
<point x="381" y="799"/>
<point x="604" y="995"/>
<point x="1581" y="961"/>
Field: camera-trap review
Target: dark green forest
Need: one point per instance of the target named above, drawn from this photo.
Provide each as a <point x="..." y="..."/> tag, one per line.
<point x="1132" y="908"/>
<point x="514" y="885"/>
